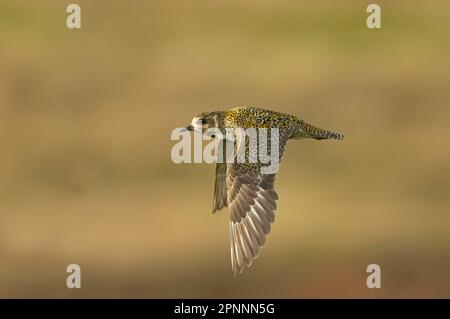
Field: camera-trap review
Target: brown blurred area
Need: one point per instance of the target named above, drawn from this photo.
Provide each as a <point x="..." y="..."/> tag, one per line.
<point x="86" y="175"/>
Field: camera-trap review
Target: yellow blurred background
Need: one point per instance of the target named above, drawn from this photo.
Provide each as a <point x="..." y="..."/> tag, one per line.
<point x="85" y="169"/>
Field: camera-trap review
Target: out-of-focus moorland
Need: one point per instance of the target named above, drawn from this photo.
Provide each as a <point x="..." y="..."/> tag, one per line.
<point x="85" y="169"/>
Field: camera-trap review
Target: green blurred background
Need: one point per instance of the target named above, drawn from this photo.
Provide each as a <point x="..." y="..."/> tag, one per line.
<point x="85" y="169"/>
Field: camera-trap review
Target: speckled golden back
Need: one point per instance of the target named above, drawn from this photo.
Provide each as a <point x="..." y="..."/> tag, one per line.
<point x="290" y="126"/>
<point x="247" y="117"/>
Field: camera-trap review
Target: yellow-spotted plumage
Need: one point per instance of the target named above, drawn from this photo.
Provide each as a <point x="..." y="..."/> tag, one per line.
<point x="252" y="117"/>
<point x="250" y="194"/>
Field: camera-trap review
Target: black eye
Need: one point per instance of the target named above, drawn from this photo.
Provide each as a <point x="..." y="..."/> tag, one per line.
<point x="203" y="121"/>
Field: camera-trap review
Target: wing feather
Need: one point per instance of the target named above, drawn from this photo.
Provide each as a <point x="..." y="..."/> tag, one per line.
<point x="252" y="210"/>
<point x="220" y="187"/>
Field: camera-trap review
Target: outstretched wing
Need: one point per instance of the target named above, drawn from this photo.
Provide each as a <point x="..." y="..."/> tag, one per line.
<point x="252" y="204"/>
<point x="220" y="187"/>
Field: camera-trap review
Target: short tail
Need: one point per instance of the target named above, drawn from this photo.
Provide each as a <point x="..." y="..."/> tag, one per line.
<point x="306" y="130"/>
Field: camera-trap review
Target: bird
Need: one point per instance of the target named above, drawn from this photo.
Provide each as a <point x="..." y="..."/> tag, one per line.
<point x="248" y="193"/>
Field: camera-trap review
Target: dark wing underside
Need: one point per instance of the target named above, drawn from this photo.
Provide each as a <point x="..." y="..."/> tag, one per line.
<point x="251" y="199"/>
<point x="220" y="187"/>
<point x="252" y="204"/>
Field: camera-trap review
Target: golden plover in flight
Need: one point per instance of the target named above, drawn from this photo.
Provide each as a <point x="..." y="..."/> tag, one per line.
<point x="242" y="186"/>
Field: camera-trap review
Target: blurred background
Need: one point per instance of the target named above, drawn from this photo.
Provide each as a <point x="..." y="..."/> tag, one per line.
<point x="86" y="175"/>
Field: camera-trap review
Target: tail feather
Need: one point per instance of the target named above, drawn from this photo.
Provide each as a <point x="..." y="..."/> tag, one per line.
<point x="306" y="130"/>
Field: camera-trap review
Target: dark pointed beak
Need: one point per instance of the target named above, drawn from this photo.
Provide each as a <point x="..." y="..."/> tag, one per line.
<point x="189" y="128"/>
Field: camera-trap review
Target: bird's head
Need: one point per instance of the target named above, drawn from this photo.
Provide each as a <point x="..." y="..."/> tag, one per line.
<point x="206" y="120"/>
